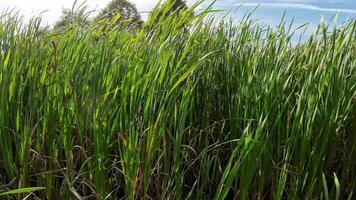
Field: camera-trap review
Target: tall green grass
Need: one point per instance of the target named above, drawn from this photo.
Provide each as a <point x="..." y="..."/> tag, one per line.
<point x="191" y="107"/>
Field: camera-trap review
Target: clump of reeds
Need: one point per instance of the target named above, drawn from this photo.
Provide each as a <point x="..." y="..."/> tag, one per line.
<point x="183" y="109"/>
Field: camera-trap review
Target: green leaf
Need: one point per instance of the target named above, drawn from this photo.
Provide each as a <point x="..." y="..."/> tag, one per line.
<point x="337" y="185"/>
<point x="326" y="190"/>
<point x="22" y="190"/>
<point x="6" y="62"/>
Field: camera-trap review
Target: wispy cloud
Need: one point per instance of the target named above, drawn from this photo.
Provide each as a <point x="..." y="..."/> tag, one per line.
<point x="299" y="6"/>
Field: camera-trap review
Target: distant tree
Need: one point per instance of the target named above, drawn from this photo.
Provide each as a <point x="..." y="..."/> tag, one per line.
<point x="161" y="12"/>
<point x="127" y="11"/>
<point x="175" y="6"/>
<point x="70" y="17"/>
<point x="178" y="5"/>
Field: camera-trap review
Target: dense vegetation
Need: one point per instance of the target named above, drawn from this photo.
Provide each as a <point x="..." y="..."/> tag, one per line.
<point x="190" y="107"/>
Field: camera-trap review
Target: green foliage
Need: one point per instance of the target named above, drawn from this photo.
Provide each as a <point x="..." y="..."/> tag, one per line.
<point x="127" y="12"/>
<point x="76" y="16"/>
<point x="176" y="5"/>
<point x="221" y="111"/>
<point x="22" y="190"/>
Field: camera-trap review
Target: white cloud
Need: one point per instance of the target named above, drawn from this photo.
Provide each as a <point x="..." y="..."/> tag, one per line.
<point x="52" y="8"/>
<point x="299" y="6"/>
<point x="144" y="5"/>
<point x="147" y="5"/>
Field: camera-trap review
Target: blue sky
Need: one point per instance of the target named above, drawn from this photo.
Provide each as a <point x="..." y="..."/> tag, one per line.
<point x="303" y="11"/>
<point x="269" y="11"/>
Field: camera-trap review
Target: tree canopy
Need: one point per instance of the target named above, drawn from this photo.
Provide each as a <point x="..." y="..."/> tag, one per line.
<point x="129" y="16"/>
<point x="127" y="11"/>
<point x="160" y="13"/>
<point x="70" y="17"/>
<point x="178" y="5"/>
